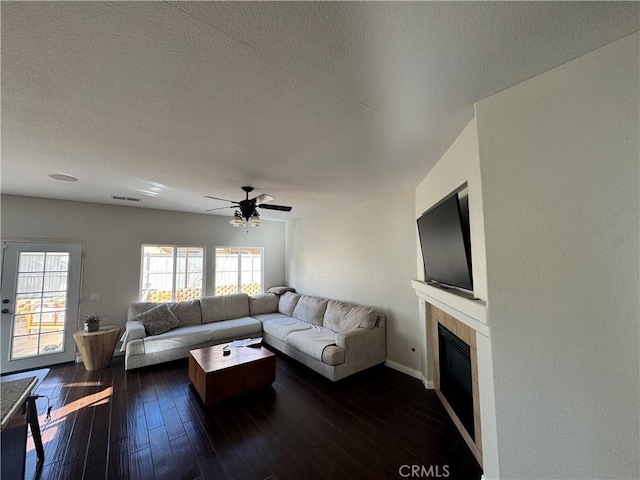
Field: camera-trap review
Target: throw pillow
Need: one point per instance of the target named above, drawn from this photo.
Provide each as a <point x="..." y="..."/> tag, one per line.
<point x="158" y="320"/>
<point x="280" y="290"/>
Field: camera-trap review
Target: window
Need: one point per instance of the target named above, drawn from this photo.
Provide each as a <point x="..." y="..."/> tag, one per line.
<point x="171" y="273"/>
<point x="238" y="270"/>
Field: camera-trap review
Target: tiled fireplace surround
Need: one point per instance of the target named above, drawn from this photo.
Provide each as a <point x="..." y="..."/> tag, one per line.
<point x="467" y="335"/>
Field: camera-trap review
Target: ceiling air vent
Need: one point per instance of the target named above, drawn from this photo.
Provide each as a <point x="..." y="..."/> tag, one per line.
<point x="126" y="199"/>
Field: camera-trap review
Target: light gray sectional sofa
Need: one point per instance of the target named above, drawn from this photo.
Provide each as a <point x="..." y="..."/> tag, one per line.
<point x="336" y="339"/>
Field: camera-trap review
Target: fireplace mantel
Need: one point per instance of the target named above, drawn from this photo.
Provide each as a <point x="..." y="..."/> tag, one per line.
<point x="473" y="313"/>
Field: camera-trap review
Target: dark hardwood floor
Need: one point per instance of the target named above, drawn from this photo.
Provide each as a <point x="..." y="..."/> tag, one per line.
<point x="150" y="424"/>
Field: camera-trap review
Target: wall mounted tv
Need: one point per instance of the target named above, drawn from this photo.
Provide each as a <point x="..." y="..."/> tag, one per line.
<point x="445" y="241"/>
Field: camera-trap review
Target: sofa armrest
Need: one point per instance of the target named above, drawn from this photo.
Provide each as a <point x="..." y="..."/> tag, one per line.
<point x="362" y="347"/>
<point x="350" y="337"/>
<point x="133" y="330"/>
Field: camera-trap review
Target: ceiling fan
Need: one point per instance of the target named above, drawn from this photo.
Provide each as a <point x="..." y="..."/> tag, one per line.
<point x="247" y="213"/>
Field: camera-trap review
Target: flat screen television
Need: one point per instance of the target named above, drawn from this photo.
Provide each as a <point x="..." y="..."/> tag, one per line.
<point x="445" y="242"/>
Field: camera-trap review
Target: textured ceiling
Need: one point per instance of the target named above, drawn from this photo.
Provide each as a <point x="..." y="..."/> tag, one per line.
<point x="318" y="104"/>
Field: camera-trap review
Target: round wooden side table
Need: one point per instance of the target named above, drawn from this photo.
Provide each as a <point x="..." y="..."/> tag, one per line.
<point x="97" y="347"/>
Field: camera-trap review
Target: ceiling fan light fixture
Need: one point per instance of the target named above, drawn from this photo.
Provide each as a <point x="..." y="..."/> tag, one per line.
<point x="247" y="214"/>
<point x="255" y="221"/>
<point x="237" y="221"/>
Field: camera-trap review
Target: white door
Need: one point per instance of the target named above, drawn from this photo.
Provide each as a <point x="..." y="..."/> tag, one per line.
<point x="40" y="303"/>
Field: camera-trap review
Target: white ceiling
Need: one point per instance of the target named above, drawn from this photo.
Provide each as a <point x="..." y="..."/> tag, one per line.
<point x="318" y="104"/>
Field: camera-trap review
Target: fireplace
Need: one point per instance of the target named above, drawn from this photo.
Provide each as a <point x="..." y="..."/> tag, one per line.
<point x="455" y="376"/>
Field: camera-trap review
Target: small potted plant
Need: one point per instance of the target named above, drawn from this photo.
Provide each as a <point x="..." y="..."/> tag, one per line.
<point x="92" y="322"/>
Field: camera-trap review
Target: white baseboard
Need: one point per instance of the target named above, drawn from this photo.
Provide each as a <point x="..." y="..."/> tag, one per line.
<point x="404" y="369"/>
<point x="428" y="384"/>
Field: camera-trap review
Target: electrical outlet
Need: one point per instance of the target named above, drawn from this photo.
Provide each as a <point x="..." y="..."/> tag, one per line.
<point x="94" y="297"/>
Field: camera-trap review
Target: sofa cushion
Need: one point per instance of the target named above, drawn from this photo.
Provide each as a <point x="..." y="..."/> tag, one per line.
<point x="280" y="328"/>
<point x="310" y="309"/>
<point x="341" y="316"/>
<point x="264" y="317"/>
<point x="224" y="307"/>
<point x="187" y="313"/>
<point x="181" y="337"/>
<point x="242" y="327"/>
<point x="314" y="342"/>
<point x="288" y="302"/>
<point x="202" y="334"/>
<point x="333" y="355"/>
<point x="264" y="303"/>
<point x="158" y="319"/>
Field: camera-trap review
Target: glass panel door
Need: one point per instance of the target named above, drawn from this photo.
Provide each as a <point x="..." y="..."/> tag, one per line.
<point x="40" y="297"/>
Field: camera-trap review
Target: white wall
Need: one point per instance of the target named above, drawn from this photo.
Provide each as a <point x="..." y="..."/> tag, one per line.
<point x="113" y="235"/>
<point x="559" y="157"/>
<point x="365" y="254"/>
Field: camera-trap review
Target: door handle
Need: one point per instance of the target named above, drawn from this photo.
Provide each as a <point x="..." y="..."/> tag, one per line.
<point x="6" y="300"/>
<point x="5" y="310"/>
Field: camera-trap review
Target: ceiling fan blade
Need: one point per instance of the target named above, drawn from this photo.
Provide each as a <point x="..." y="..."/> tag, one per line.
<point x="220" y="208"/>
<point x="264" y="198"/>
<point x="282" y="208"/>
<point x="217" y="198"/>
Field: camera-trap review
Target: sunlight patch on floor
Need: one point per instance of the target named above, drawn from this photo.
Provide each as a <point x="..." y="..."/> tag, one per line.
<point x="50" y="429"/>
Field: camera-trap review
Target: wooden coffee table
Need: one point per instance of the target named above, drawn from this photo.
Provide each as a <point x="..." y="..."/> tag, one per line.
<point x="217" y="377"/>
